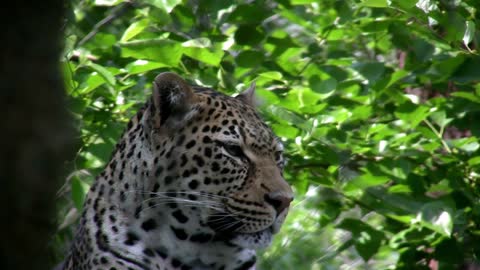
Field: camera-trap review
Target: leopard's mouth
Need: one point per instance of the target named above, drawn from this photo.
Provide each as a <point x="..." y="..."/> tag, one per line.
<point x="225" y="224"/>
<point x="268" y="230"/>
<point x="228" y="224"/>
<point x="227" y="229"/>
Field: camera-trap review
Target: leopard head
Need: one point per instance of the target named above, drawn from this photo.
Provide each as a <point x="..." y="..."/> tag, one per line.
<point x="216" y="166"/>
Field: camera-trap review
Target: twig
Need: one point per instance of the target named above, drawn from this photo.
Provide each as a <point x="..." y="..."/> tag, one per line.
<point x="116" y="11"/>
<point x="439" y="135"/>
<point x="310" y="165"/>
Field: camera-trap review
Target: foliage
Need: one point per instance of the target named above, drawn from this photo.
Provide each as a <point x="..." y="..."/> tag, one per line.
<point x="375" y="100"/>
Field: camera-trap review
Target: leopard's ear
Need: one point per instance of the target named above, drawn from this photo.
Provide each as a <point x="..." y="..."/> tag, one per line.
<point x="248" y="96"/>
<point x="172" y="100"/>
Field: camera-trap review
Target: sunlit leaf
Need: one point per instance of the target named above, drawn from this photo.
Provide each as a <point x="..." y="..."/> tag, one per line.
<point x="412" y="114"/>
<point x="107" y="75"/>
<point x="375" y="3"/>
<point x="79" y="191"/>
<point x="360" y="183"/>
<point x="466" y="95"/>
<point x="466" y="144"/>
<point x="141" y="66"/>
<point x="159" y="50"/>
<point x="273" y="75"/>
<point x="302" y="2"/>
<point x="166" y="5"/>
<point x="440" y="118"/>
<point x="474" y="161"/>
<point x="202" y="50"/>
<point x="107" y="2"/>
<point x="134" y="29"/>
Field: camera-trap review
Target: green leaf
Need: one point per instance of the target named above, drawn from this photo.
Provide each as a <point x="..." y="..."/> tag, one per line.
<point x="372" y="71"/>
<point x="103" y="41"/>
<point x="443" y="69"/>
<point x="396" y="76"/>
<point x="134" y="29"/>
<point x="106" y="75"/>
<point x="272" y="75"/>
<point x="422" y="49"/>
<point x="412" y="114"/>
<point x="357" y="185"/>
<point x="108" y="2"/>
<point x="79" y="192"/>
<point x="141" y="66"/>
<point x="474" y="161"/>
<point x="159" y="50"/>
<point x="302" y="2"/>
<point x="285" y="131"/>
<point x="302" y="100"/>
<point x="466" y="95"/>
<point x="378" y="25"/>
<point x="375" y="3"/>
<point x="249" y="58"/>
<point x="249" y="34"/>
<point x="326" y="87"/>
<point x="367" y="240"/>
<point x="287" y="117"/>
<point x="202" y="50"/>
<point x="70" y="84"/>
<point x="266" y="97"/>
<point x="442" y="187"/>
<point x="440" y="118"/>
<point x="166" y="5"/>
<point x="468" y="71"/>
<point x="253" y="13"/>
<point x="290" y="60"/>
<point x="468" y="145"/>
<point x="91" y="82"/>
<point x="395" y="168"/>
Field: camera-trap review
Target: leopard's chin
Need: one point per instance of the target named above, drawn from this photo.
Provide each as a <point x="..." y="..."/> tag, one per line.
<point x="226" y="229"/>
<point x="256" y="240"/>
<point x="260" y="239"/>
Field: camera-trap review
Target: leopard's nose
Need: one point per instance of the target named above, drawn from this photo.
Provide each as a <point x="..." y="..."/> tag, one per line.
<point x="278" y="200"/>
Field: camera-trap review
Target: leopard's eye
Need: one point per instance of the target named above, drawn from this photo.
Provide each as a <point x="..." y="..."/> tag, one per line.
<point x="279" y="159"/>
<point x="234" y="150"/>
<point x="281" y="164"/>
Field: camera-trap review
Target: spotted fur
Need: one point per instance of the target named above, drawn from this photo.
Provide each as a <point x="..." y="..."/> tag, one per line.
<point x="195" y="182"/>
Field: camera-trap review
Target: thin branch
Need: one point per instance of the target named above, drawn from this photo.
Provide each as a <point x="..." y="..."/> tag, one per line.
<point x="439" y="135"/>
<point x="310" y="165"/>
<point x="116" y="12"/>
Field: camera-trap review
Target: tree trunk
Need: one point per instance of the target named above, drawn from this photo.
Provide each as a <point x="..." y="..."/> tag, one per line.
<point x="35" y="132"/>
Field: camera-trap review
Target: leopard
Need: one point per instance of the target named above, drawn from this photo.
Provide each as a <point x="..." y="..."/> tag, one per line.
<point x="195" y="182"/>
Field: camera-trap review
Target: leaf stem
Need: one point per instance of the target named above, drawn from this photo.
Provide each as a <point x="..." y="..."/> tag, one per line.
<point x="439" y="135"/>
